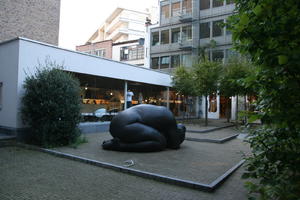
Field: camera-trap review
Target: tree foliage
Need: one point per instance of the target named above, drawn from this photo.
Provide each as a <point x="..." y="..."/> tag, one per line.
<point x="235" y="70"/>
<point x="182" y="81"/>
<point x="201" y="80"/>
<point x="51" y="106"/>
<point x="268" y="31"/>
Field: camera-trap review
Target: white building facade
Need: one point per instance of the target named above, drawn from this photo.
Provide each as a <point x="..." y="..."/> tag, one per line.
<point x="20" y="56"/>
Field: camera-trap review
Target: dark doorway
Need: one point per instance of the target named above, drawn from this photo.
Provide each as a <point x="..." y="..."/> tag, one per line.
<point x="225" y="107"/>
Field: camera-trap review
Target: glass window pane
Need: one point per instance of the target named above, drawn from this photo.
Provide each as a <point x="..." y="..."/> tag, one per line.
<point x="218" y="55"/>
<point x="186" y="33"/>
<point x="123" y="53"/>
<point x="217" y="28"/>
<point x="165" y="12"/>
<point x="155" y="38"/>
<point x="175" y="35"/>
<point x="218" y="3"/>
<point x="164" y="62"/>
<point x="187" y="60"/>
<point x="176" y="9"/>
<point x="204" y="30"/>
<point x="229" y="2"/>
<point x="187" y="6"/>
<point x="154" y="63"/>
<point x="175" y="61"/>
<point x="204" y="4"/>
<point x="165" y="37"/>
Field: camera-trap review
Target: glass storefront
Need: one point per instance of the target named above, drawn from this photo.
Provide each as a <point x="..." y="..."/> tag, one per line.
<point x="107" y="93"/>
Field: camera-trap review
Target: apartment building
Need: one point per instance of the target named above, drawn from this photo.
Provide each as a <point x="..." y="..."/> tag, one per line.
<point x="186" y="25"/>
<point x="120" y="37"/>
<point x="183" y="28"/>
<point x="34" y="19"/>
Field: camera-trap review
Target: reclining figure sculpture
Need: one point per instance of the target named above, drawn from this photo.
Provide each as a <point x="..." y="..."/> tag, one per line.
<point x="144" y="128"/>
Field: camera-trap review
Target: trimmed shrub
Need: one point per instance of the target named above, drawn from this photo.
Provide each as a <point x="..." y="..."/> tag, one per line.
<point x="51" y="106"/>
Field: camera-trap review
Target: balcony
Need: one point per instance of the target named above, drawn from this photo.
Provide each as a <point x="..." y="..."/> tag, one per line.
<point x="186" y="45"/>
<point x="186" y="16"/>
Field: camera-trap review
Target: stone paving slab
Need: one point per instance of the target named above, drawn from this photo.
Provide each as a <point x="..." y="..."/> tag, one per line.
<point x="33" y="175"/>
<point x="218" y="134"/>
<point x="194" y="161"/>
<point x="197" y="125"/>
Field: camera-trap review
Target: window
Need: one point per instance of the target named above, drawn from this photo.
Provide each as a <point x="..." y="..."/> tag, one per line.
<point x="165" y="12"/>
<point x="124" y="53"/>
<point x="164" y="62"/>
<point x="217" y="28"/>
<point x="165" y="37"/>
<point x="186" y="33"/>
<point x="230" y="54"/>
<point x="175" y="9"/>
<point x="134" y="52"/>
<point x="175" y="35"/>
<point x="175" y="61"/>
<point x="187" y="60"/>
<point x="229" y="2"/>
<point x="218" y="55"/>
<point x="204" y="30"/>
<point x="187" y="6"/>
<point x="1" y="95"/>
<point x="155" y="38"/>
<point x="100" y="52"/>
<point x="218" y="3"/>
<point x="154" y="63"/>
<point x="204" y="4"/>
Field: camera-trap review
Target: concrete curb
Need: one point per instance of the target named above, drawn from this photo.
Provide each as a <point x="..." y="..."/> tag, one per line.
<point x="166" y="179"/>
<point x="209" y="130"/>
<point x="219" y="141"/>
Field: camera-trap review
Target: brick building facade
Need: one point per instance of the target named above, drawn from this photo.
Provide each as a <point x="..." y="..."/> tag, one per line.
<point x="33" y="19"/>
<point x="102" y="48"/>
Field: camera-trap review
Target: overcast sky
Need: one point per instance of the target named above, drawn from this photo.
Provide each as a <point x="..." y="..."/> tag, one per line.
<point x="79" y="19"/>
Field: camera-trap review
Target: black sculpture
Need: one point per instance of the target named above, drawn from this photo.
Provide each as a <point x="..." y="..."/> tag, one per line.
<point x="144" y="128"/>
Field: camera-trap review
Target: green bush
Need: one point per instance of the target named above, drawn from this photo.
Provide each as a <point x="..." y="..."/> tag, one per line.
<point x="268" y="32"/>
<point x="51" y="106"/>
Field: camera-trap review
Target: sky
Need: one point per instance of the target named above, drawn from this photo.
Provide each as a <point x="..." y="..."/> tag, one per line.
<point x="79" y="19"/>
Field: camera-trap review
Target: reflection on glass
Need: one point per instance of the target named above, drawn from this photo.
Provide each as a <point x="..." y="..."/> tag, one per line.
<point x="165" y="37"/>
<point x="165" y="12"/>
<point x="155" y="38"/>
<point x="217" y="28"/>
<point x="164" y="62"/>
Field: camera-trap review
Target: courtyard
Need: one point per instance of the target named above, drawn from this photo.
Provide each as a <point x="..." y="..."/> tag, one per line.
<point x="89" y="172"/>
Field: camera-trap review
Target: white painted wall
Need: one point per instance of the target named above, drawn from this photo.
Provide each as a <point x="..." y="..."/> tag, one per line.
<point x="21" y="56"/>
<point x="9" y="52"/>
<point x="211" y="115"/>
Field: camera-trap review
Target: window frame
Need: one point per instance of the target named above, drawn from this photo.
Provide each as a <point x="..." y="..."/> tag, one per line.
<point x="207" y="32"/>
<point x="214" y="25"/>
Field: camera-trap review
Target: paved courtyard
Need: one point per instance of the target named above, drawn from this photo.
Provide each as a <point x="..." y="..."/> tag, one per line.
<point x="27" y="174"/>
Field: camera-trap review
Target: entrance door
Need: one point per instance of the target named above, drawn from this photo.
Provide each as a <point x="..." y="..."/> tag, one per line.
<point x="225" y="107"/>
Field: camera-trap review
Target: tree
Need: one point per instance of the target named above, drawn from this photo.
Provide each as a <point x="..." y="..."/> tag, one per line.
<point x="231" y="84"/>
<point x="268" y="31"/>
<point x="51" y="106"/>
<point x="182" y="81"/>
<point x="206" y="75"/>
<point x="201" y="80"/>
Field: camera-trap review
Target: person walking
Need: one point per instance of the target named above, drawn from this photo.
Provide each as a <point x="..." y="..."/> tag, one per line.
<point x="129" y="98"/>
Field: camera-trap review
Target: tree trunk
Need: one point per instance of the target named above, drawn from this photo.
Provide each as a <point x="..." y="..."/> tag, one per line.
<point x="227" y="109"/>
<point x="245" y="108"/>
<point x="206" y="111"/>
<point x="237" y="111"/>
